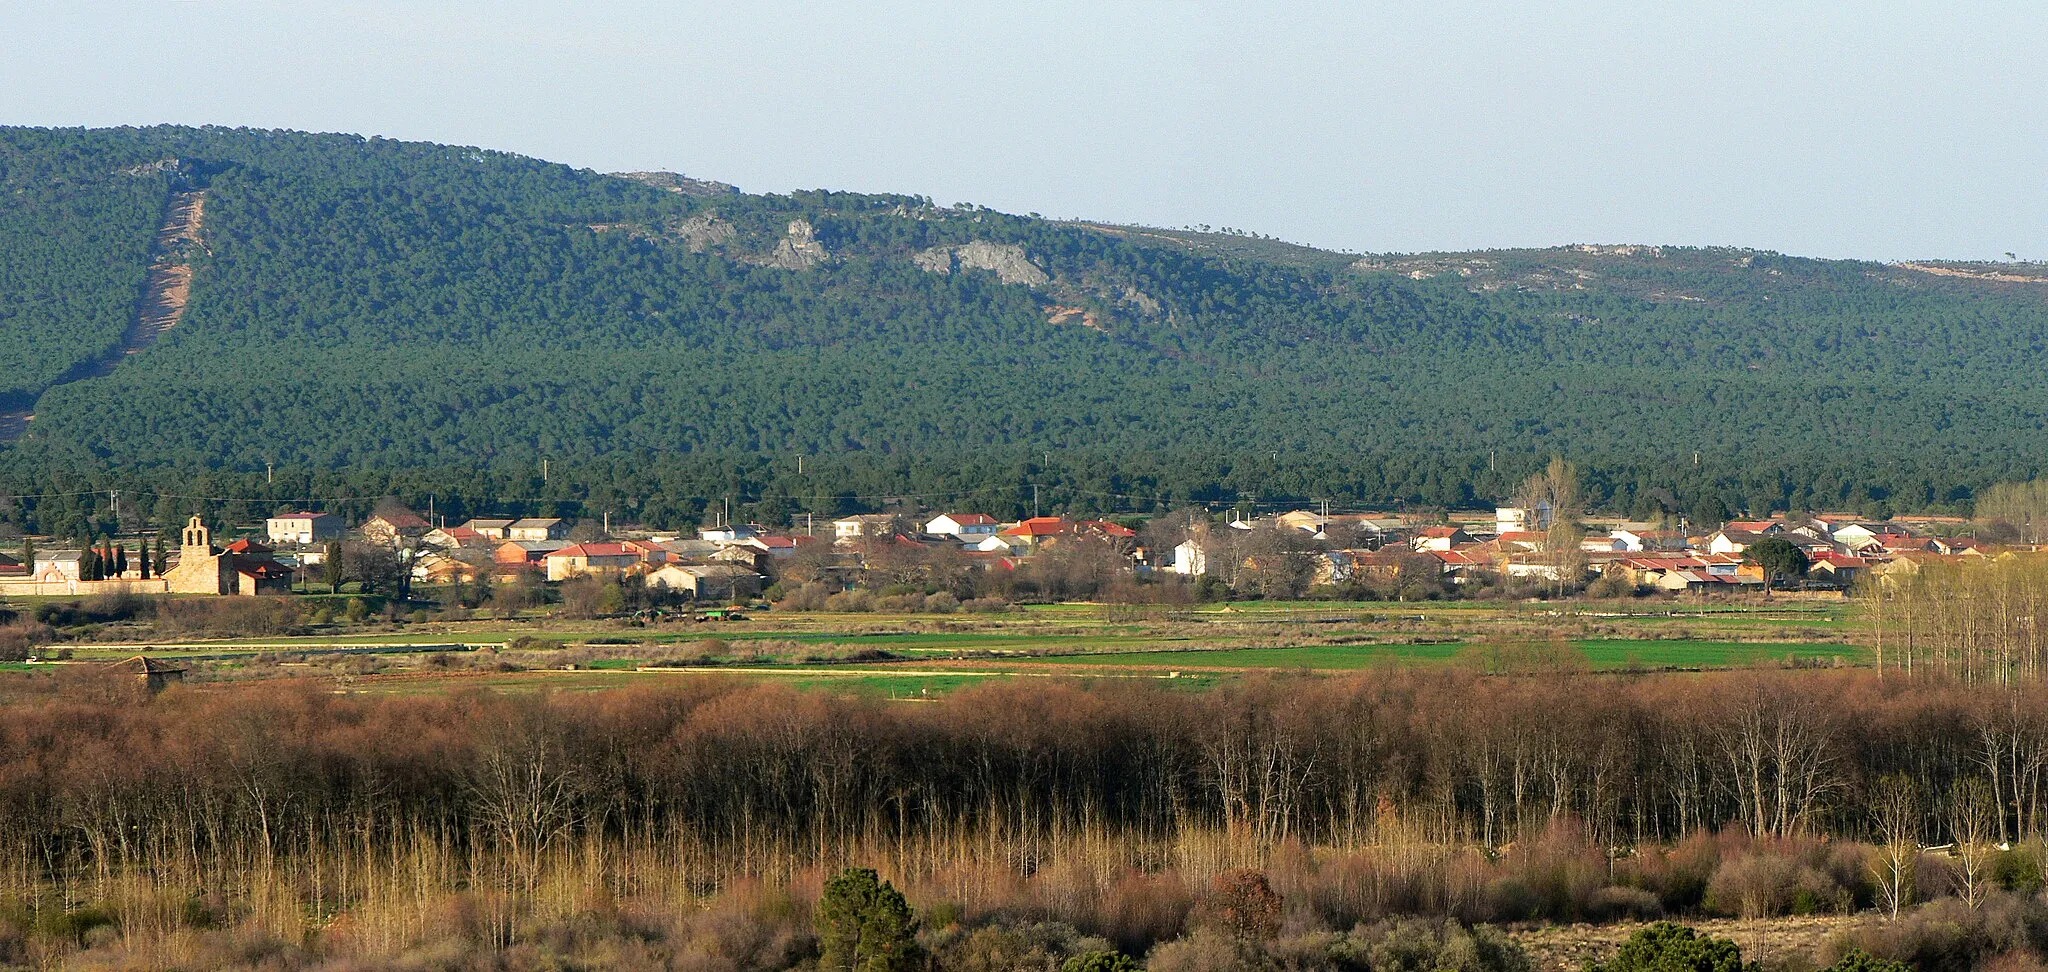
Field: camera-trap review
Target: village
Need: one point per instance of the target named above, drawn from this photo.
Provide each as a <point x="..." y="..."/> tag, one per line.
<point x="1296" y="554"/>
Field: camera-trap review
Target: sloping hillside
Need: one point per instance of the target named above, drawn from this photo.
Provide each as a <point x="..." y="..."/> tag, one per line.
<point x="378" y="305"/>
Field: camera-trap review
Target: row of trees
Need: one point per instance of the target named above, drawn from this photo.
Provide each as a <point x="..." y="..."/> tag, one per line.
<point x="755" y="774"/>
<point x="1980" y="621"/>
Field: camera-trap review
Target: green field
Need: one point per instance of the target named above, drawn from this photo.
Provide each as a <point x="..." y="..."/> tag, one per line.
<point x="916" y="656"/>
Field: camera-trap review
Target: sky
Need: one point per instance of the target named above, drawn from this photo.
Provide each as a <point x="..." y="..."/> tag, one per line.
<point x="1876" y="130"/>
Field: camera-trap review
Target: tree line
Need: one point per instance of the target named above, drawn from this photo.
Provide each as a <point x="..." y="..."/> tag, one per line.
<point x="1327" y="761"/>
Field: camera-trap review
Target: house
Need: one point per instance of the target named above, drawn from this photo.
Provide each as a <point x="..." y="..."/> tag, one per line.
<point x="390" y="528"/>
<point x="1037" y="530"/>
<point x="683" y="548"/>
<point x="58" y="566"/>
<point x="1640" y="541"/>
<point x="1524" y="541"/>
<point x="774" y="548"/>
<point x="303" y="529"/>
<point x="537" y="528"/>
<point x="1460" y="565"/>
<point x="1961" y="547"/>
<point x="10" y="567"/>
<point x="1858" y="535"/>
<point x="707" y="582"/>
<point x="521" y="555"/>
<point x="1105" y="529"/>
<point x="963" y="525"/>
<point x="1388" y="566"/>
<point x="457" y="537"/>
<point x="245" y="568"/>
<point x="491" y="529"/>
<point x="440" y="569"/>
<point x="1190" y="559"/>
<point x="1002" y="544"/>
<point x="1836" y="570"/>
<point x="731" y="532"/>
<point x="1516" y="519"/>
<point x="864" y="525"/>
<point x="1440" y="538"/>
<point x="1729" y="540"/>
<point x="588" y="560"/>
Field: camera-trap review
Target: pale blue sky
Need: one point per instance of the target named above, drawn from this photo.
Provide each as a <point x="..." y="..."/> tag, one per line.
<point x="1880" y="130"/>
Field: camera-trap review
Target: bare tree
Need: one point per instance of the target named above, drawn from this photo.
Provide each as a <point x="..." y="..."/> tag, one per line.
<point x="1972" y="814"/>
<point x="524" y="789"/>
<point x="1895" y="807"/>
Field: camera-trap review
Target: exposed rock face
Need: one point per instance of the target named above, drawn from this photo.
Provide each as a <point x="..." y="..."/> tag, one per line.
<point x="704" y="231"/>
<point x="677" y="182"/>
<point x="1006" y="260"/>
<point x="800" y="250"/>
<point x="1141" y="300"/>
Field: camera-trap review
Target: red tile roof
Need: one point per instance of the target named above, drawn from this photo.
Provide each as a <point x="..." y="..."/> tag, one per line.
<point x="1040" y="526"/>
<point x="593" y="550"/>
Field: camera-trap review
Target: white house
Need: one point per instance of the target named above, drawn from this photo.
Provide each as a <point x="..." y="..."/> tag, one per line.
<point x="1732" y="541"/>
<point x="998" y="544"/>
<point x="1517" y="519"/>
<point x="1440" y="538"/>
<point x="963" y="525"/>
<point x="303" y="529"/>
<point x="866" y="524"/>
<point x="1190" y="559"/>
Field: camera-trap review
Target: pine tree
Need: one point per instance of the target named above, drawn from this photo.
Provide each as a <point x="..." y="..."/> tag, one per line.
<point x="89" y="564"/>
<point x="142" y="558"/>
<point x="120" y="560"/>
<point x="864" y="925"/>
<point x="163" y="558"/>
<point x="28" y="553"/>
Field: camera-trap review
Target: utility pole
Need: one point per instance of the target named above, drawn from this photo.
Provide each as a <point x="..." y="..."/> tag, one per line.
<point x="607" y="523"/>
<point x="799" y="463"/>
<point x="268" y="478"/>
<point x="543" y="472"/>
<point x="1034" y="501"/>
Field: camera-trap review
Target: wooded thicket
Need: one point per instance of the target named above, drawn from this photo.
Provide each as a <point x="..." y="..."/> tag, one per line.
<point x="757" y="779"/>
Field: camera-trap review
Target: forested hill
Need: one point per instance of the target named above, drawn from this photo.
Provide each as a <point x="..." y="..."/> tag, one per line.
<point x="382" y="308"/>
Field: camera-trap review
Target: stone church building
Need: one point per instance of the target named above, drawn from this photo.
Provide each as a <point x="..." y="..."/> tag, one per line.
<point x="205" y="569"/>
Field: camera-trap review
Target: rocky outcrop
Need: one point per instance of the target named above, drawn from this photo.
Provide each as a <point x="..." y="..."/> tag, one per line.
<point x="1006" y="260"/>
<point x="800" y="249"/>
<point x="1139" y="299"/>
<point x="703" y="231"/>
<point x="677" y="182"/>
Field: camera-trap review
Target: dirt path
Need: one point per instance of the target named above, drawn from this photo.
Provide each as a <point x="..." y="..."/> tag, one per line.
<point x="165" y="292"/>
<point x="1567" y="948"/>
